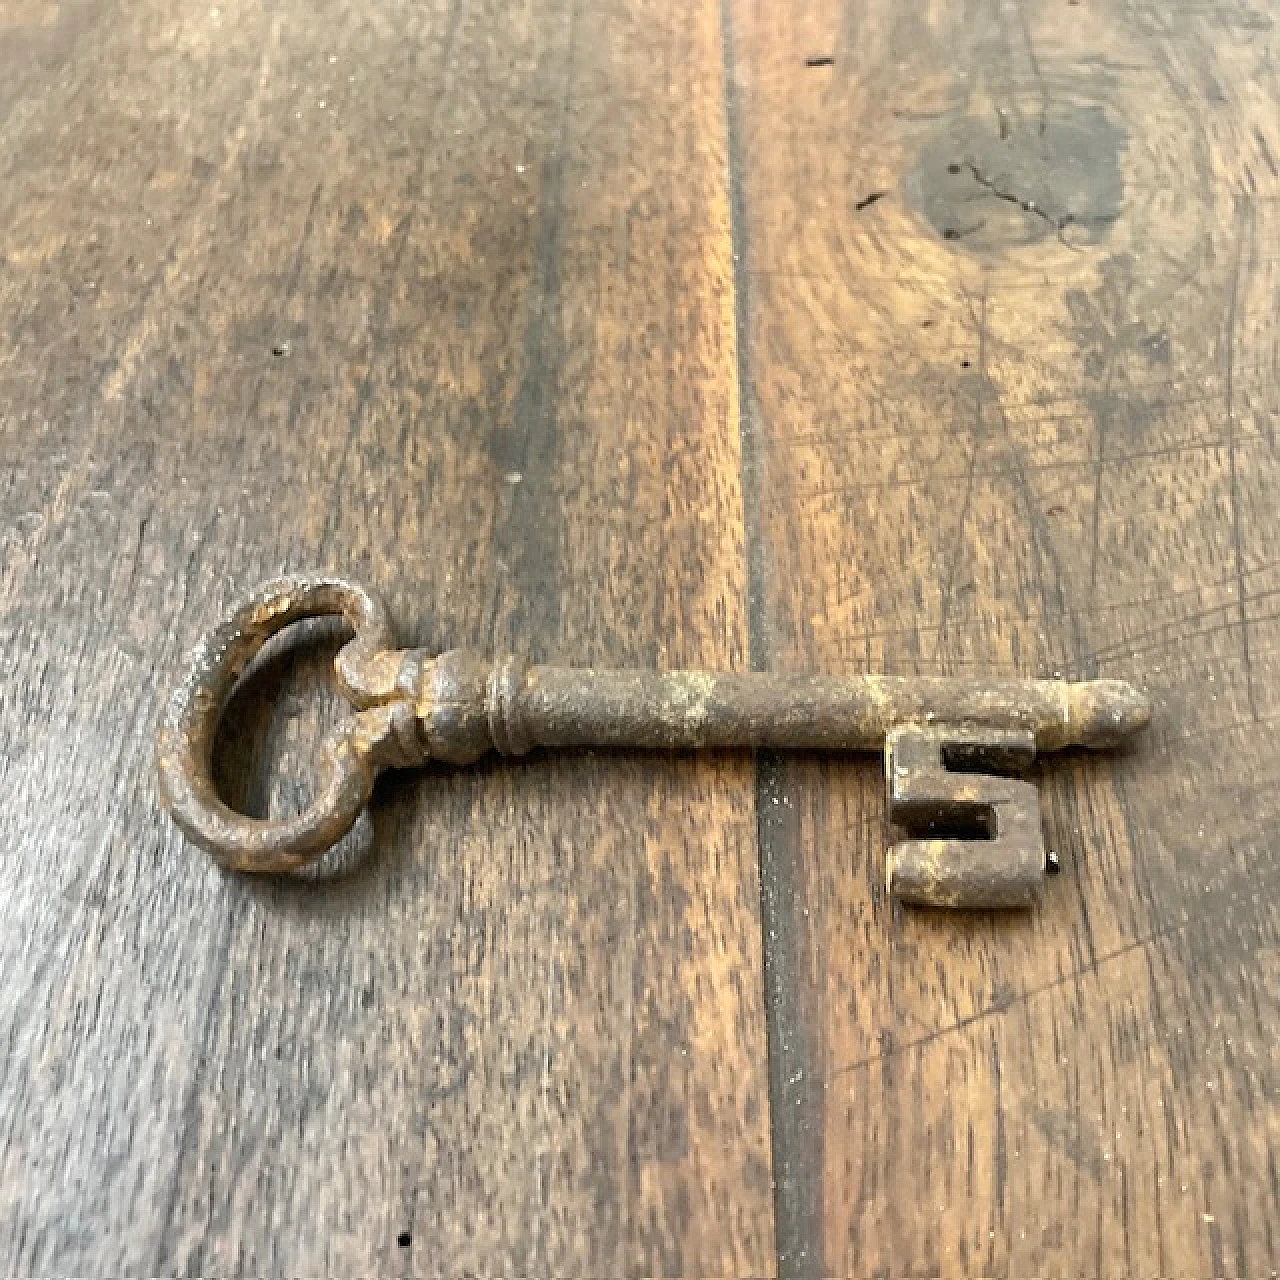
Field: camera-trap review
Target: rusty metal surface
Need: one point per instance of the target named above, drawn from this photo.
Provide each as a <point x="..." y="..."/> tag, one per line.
<point x="984" y="847"/>
<point x="350" y="757"/>
<point x="412" y="707"/>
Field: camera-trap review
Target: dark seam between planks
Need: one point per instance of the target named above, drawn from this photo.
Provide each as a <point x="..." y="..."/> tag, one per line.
<point x="795" y="1125"/>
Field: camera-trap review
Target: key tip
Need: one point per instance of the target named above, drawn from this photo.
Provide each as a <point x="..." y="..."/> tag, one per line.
<point x="1108" y="712"/>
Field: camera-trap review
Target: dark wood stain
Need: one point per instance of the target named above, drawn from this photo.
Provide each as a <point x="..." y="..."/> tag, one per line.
<point x="1056" y="175"/>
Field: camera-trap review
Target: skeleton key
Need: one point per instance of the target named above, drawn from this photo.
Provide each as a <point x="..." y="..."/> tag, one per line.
<point x="951" y="746"/>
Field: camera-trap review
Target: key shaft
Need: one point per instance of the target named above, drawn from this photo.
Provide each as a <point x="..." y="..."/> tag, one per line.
<point x="465" y="707"/>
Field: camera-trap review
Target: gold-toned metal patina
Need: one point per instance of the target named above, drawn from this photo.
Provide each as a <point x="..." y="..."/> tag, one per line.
<point x="943" y="738"/>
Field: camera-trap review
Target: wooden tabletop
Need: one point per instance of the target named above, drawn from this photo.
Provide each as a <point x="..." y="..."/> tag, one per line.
<point x="886" y="337"/>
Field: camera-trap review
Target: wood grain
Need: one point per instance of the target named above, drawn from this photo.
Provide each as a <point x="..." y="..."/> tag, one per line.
<point x="1012" y="400"/>
<point x="894" y="337"/>
<point x="440" y="295"/>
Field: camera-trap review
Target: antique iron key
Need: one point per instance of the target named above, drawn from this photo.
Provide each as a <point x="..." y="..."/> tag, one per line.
<point x="951" y="746"/>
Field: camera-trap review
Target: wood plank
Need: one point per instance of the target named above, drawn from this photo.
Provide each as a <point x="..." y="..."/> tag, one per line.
<point x="441" y="295"/>
<point x="1012" y="358"/>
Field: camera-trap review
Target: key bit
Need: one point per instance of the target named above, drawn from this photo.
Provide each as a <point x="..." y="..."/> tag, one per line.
<point x="947" y="742"/>
<point x="949" y="780"/>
